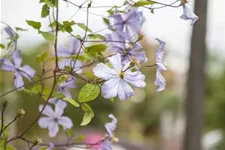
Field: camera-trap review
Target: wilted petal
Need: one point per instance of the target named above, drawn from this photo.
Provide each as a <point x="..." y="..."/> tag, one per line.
<point x="116" y="62"/>
<point x="124" y="91"/>
<point x="66" y="122"/>
<point x="27" y="71"/>
<point x="47" y="111"/>
<point x="161" y="66"/>
<point x="188" y="14"/>
<point x="53" y="129"/>
<point x="160" y="81"/>
<point x="18" y="80"/>
<point x="44" y="122"/>
<point x="104" y="72"/>
<point x="111" y="126"/>
<point x="110" y="88"/>
<point x="137" y="79"/>
<point x="17" y="58"/>
<point x="7" y="65"/>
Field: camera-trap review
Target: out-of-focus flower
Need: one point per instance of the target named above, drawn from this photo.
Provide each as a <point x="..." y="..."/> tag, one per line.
<point x="117" y="79"/>
<point x="51" y="146"/>
<point x="124" y="45"/>
<point x="159" y="55"/>
<point x="106" y="145"/>
<point x="9" y="31"/>
<point x="19" y="70"/>
<point x="111" y="126"/>
<point x="188" y="14"/>
<point x="129" y="22"/>
<point x="68" y="84"/>
<point x="75" y="47"/>
<point x="53" y="119"/>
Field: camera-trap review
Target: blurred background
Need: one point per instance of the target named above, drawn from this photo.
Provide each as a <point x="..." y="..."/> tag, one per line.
<point x="194" y="99"/>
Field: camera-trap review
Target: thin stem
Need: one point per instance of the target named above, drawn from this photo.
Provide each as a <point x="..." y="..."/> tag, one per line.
<point x="8" y="125"/>
<point x="2" y="116"/>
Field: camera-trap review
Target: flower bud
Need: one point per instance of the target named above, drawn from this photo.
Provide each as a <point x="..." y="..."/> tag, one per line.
<point x="21" y="113"/>
<point x="37" y="140"/>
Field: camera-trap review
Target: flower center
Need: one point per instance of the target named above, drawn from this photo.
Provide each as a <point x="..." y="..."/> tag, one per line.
<point x="121" y="75"/>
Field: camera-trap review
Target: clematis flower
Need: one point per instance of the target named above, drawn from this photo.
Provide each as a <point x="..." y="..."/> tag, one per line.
<point x="129" y="22"/>
<point x="127" y="51"/>
<point x="19" y="70"/>
<point x="160" y="80"/>
<point x="9" y="31"/>
<point x="110" y="127"/>
<point x="75" y="46"/>
<point x="188" y="14"/>
<point x="53" y="119"/>
<point x="117" y="79"/>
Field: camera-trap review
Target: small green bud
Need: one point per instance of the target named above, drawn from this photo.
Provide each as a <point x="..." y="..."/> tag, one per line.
<point x="37" y="140"/>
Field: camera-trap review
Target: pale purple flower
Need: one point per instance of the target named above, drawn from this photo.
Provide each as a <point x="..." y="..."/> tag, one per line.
<point x="53" y="119"/>
<point x="188" y="14"/>
<point x="51" y="146"/>
<point x="111" y="126"/>
<point x="75" y="47"/>
<point x="106" y="145"/>
<point x="117" y="79"/>
<point x="122" y="44"/>
<point x="19" y="70"/>
<point x="129" y="22"/>
<point x="160" y="80"/>
<point x="65" y="86"/>
<point x="61" y="103"/>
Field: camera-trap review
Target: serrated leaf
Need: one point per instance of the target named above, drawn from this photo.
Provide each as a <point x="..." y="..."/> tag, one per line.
<point x="34" y="24"/>
<point x="42" y="57"/>
<point x="49" y="36"/>
<point x="71" y="101"/>
<point x="96" y="48"/>
<point x="84" y="27"/>
<point x="88" y="92"/>
<point x="44" y="11"/>
<point x="143" y="3"/>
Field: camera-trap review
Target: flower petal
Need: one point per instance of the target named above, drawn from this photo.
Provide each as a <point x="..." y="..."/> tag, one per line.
<point x="44" y="122"/>
<point x="18" y="80"/>
<point x="47" y="111"/>
<point x="111" y="126"/>
<point x="27" y="72"/>
<point x="110" y="88"/>
<point x="116" y="62"/>
<point x="137" y="79"/>
<point x="124" y="91"/>
<point x="160" y="81"/>
<point x="53" y="129"/>
<point x="7" y="65"/>
<point x="75" y="46"/>
<point x="188" y="14"/>
<point x="66" y="122"/>
<point x="63" y="52"/>
<point x="104" y="72"/>
<point x="17" y="58"/>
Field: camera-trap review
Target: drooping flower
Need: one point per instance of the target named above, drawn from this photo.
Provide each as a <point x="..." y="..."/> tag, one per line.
<point x="75" y="47"/>
<point x="159" y="55"/>
<point x="9" y="31"/>
<point x="117" y="79"/>
<point x="129" y="22"/>
<point x="53" y="119"/>
<point x="122" y="44"/>
<point x="19" y="70"/>
<point x="110" y="127"/>
<point x="188" y="14"/>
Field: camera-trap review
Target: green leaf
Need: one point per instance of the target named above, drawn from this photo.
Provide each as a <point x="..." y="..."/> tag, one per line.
<point x="88" y="115"/>
<point x="49" y="36"/>
<point x="84" y="27"/>
<point x="106" y="21"/>
<point x="10" y="148"/>
<point x="58" y="95"/>
<point x="45" y="11"/>
<point x="44" y="148"/>
<point x="2" y="46"/>
<point x="81" y="138"/>
<point x="89" y="92"/>
<point x="67" y="26"/>
<point x="143" y="3"/>
<point x="96" y="36"/>
<point x="45" y="93"/>
<point x="71" y="101"/>
<point x="96" y="48"/>
<point x="42" y="57"/>
<point x="36" y="89"/>
<point x="70" y="132"/>
<point x="20" y="29"/>
<point x="34" y="24"/>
